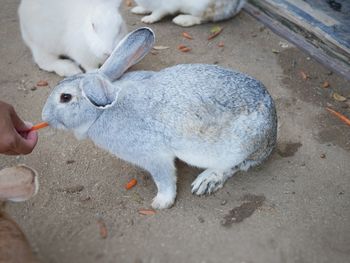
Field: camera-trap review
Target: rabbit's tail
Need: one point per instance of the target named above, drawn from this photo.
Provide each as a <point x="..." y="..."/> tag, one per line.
<point x="259" y="156"/>
<point x="225" y="9"/>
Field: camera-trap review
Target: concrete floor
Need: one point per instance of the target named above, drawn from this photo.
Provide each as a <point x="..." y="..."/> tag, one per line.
<point x="297" y="205"/>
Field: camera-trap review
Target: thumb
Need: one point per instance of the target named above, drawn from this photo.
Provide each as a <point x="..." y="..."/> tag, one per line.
<point x="26" y="145"/>
<point x="18" y="123"/>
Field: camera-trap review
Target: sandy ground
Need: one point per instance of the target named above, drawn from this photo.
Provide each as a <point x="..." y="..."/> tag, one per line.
<point x="294" y="208"/>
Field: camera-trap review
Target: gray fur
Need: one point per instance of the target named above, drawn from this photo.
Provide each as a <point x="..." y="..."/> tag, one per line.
<point x="129" y="51"/>
<point x="205" y="115"/>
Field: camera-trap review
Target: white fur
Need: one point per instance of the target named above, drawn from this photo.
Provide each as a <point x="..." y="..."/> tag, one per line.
<point x="84" y="30"/>
<point x="208" y="181"/>
<point x="162" y="201"/>
<point x="196" y="11"/>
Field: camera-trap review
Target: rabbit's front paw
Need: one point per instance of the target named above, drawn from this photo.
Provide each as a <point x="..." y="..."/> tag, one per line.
<point x="66" y="68"/>
<point x="139" y="10"/>
<point x="208" y="182"/>
<point x="162" y="201"/>
<point x="187" y="20"/>
<point x="149" y="19"/>
<point x="154" y="17"/>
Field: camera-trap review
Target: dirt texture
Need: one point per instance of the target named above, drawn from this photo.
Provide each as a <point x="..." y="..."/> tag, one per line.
<point x="83" y="213"/>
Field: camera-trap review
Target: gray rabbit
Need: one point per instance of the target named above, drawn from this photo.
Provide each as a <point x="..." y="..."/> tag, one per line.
<point x="206" y="115"/>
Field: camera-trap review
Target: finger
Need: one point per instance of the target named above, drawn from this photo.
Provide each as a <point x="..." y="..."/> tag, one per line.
<point x="26" y="146"/>
<point x="17" y="122"/>
<point x="32" y="138"/>
<point x="28" y="124"/>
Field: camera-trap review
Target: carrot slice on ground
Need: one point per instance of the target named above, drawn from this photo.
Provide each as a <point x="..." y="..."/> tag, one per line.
<point x="39" y="126"/>
<point x="340" y="116"/>
<point x="179" y="47"/>
<point x="186" y="49"/>
<point x="221" y="44"/>
<point x="183" y="48"/>
<point x="325" y="84"/>
<point x="187" y="35"/>
<point x="42" y="83"/>
<point x="304" y="76"/>
<point x="147" y="212"/>
<point x="103" y="228"/>
<point x="130" y="184"/>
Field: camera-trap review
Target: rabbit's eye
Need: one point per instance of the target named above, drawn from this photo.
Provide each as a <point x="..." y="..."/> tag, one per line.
<point x="65" y="97"/>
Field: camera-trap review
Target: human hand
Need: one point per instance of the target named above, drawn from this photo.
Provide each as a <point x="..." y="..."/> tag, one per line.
<point x="15" y="135"/>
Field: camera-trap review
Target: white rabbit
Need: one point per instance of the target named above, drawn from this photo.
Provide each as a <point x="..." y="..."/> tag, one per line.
<point x="69" y="37"/>
<point x="192" y="12"/>
<point x="206" y="115"/>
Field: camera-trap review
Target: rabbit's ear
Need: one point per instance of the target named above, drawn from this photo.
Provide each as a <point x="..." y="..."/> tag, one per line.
<point x="130" y="50"/>
<point x="99" y="91"/>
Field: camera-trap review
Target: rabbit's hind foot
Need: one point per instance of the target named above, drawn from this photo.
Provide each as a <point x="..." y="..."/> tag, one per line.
<point x="211" y="180"/>
<point x="49" y="62"/>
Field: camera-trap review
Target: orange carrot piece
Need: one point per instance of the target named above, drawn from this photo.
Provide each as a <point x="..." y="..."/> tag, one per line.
<point x="183" y="48"/>
<point x="304" y="76"/>
<point x="130" y="184"/>
<point x="340" y="116"/>
<point x="179" y="47"/>
<point x="103" y="228"/>
<point x="39" y="126"/>
<point x="187" y="35"/>
<point x="186" y="49"/>
<point x="42" y="83"/>
<point x="147" y="212"/>
<point x="325" y="84"/>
